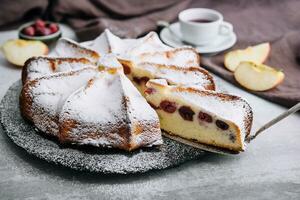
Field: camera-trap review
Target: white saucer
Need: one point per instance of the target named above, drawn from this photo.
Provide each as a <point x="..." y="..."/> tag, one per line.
<point x="222" y="43"/>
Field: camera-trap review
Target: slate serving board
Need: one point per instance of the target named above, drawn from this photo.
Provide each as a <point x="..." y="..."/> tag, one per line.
<point x="107" y="161"/>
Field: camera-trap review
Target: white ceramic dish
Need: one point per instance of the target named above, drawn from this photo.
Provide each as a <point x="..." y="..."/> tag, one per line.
<point x="221" y="43"/>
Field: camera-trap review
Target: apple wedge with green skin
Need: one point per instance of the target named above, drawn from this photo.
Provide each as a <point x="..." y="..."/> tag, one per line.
<point x="257" y="54"/>
<point x="257" y="77"/>
<point x="18" y="51"/>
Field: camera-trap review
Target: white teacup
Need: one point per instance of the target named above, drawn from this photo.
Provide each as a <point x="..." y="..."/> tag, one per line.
<point x="201" y="26"/>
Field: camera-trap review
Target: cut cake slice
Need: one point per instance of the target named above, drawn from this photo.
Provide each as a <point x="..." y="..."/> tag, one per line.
<point x="200" y="116"/>
<point x="109" y="112"/>
<point x="189" y="76"/>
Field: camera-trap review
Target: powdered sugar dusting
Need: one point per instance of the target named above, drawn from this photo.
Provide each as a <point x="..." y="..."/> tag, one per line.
<point x="109" y="61"/>
<point x="98" y="102"/>
<point x="178" y="76"/>
<point x="68" y="48"/>
<point x="110" y="43"/>
<point x="50" y="92"/>
<point x="181" y="57"/>
<point x="108" y="103"/>
<point x="147" y="44"/>
<point x="42" y="66"/>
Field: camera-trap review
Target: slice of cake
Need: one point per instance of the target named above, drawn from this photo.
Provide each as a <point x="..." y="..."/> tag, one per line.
<point x="37" y="67"/>
<point x="188" y="76"/>
<point x="42" y="98"/>
<point x="200" y="116"/>
<point x="180" y="57"/>
<point x="109" y="112"/>
<point x="71" y="49"/>
<point x="128" y="50"/>
<point x="107" y="43"/>
<point x="150" y="43"/>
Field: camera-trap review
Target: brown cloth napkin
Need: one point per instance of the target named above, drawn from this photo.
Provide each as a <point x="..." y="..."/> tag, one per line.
<point x="277" y="22"/>
<point x="125" y="18"/>
<point x="14" y="13"/>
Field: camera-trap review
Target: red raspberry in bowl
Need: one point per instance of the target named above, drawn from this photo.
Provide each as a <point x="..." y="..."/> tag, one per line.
<point x="39" y="23"/>
<point x="29" y="31"/>
<point x="42" y="31"/>
<point x="53" y="27"/>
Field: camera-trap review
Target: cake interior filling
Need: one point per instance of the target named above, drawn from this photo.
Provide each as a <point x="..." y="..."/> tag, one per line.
<point x="181" y="118"/>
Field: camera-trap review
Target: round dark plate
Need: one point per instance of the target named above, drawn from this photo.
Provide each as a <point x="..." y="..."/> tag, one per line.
<point x="107" y="161"/>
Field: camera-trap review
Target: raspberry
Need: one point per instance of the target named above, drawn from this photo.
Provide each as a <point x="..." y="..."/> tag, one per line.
<point x="29" y="31"/>
<point x="168" y="106"/>
<point x="186" y="113"/>
<point x="39" y="23"/>
<point x="205" y="117"/>
<point x="42" y="31"/>
<point x="222" y="125"/>
<point x="48" y="31"/>
<point x="53" y="27"/>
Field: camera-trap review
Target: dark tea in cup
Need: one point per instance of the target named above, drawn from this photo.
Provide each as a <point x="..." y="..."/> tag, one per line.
<point x="202" y="20"/>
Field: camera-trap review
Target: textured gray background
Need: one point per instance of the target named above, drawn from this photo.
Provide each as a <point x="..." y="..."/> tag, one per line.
<point x="269" y="169"/>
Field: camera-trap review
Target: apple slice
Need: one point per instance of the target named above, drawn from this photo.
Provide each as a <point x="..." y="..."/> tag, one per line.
<point x="18" y="51"/>
<point x="257" y="77"/>
<point x="257" y="54"/>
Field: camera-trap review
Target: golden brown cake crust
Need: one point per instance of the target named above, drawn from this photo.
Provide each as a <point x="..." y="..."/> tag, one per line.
<point x="54" y="62"/>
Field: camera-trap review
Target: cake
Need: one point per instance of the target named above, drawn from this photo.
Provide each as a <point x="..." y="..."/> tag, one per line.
<point x="148" y="58"/>
<point x="42" y="98"/>
<point x="109" y="112"/>
<point x="181" y="57"/>
<point x="107" y="42"/>
<point x="68" y="48"/>
<point x="125" y="97"/>
<point x="150" y="43"/>
<point x="201" y="116"/>
<point x="174" y="75"/>
<point x="110" y="43"/>
<point x="37" y="67"/>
